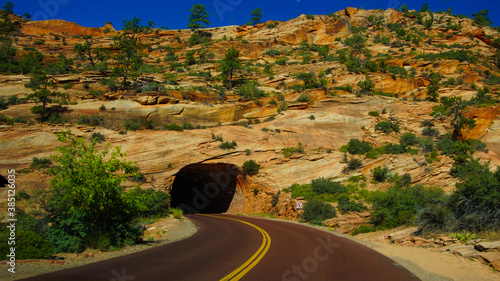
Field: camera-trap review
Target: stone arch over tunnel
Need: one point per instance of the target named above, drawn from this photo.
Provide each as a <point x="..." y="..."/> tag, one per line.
<point x="207" y="188"/>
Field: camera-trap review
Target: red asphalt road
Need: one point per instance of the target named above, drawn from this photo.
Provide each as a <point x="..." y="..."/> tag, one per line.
<point x="221" y="245"/>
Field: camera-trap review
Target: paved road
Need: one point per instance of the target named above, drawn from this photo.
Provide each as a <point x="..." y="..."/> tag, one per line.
<point x="242" y="248"/>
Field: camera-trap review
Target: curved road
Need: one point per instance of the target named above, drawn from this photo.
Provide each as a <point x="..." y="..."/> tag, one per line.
<point x="228" y="247"/>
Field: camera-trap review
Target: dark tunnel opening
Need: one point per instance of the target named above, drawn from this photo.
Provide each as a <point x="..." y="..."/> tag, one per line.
<point x="205" y="188"/>
<point x="3" y="181"/>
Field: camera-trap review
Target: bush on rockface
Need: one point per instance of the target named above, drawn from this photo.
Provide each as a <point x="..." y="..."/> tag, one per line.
<point x="316" y="211"/>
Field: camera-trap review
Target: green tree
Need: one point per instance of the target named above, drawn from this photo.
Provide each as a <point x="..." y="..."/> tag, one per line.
<point x="309" y="78"/>
<point x="129" y="55"/>
<point x="256" y="16"/>
<point x="425" y="8"/>
<point x="30" y="62"/>
<point x="475" y="200"/>
<point x="27" y="15"/>
<point x="366" y="86"/>
<point x="8" y="7"/>
<point x="432" y="90"/>
<point x="229" y="65"/>
<point x="7" y="50"/>
<point x="482" y="18"/>
<point x="86" y="204"/>
<point x="85" y="51"/>
<point x="41" y="84"/>
<point x="356" y="43"/>
<point x="198" y="17"/>
<point x="404" y="8"/>
<point x="456" y="106"/>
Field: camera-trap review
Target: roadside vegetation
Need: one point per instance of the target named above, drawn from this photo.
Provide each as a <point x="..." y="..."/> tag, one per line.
<point x="86" y="206"/>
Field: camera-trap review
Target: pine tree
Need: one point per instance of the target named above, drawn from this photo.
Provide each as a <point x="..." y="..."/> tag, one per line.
<point x="230" y="64"/>
<point x="256" y="16"/>
<point x="198" y="18"/>
<point x="41" y="84"/>
<point x="130" y="53"/>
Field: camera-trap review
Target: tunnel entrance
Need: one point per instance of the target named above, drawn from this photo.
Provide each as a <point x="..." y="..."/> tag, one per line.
<point x="3" y="181"/>
<point x="205" y="188"/>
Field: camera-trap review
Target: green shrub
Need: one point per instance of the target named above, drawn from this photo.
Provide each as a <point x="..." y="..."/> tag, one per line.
<point x="374" y="113"/>
<point x="34" y="246"/>
<point x="250" y="91"/>
<point x="381" y="174"/>
<point x="398" y="205"/>
<point x="97" y="137"/>
<point x="177" y="213"/>
<point x="301" y="190"/>
<point x="408" y="139"/>
<point x="347" y="205"/>
<point x="90" y="120"/>
<point x="228" y="145"/>
<point x="40" y="163"/>
<point x="23" y="195"/>
<point x="272" y="52"/>
<point x="355" y="146"/>
<point x="458" y="149"/>
<point x="436" y="218"/>
<point x="217" y="138"/>
<point x="427" y="145"/>
<point x="363" y="229"/>
<point x="147" y="202"/>
<point x="475" y="200"/>
<point x="21" y="120"/>
<point x="387" y="127"/>
<point x="327" y="185"/>
<point x="430" y="131"/>
<point x="395" y="148"/>
<point x="131" y="125"/>
<point x="304" y="98"/>
<point x="375" y="152"/>
<point x="251" y="168"/>
<point x="353" y="164"/>
<point x="289" y="151"/>
<point x="4" y="104"/>
<point x="281" y="61"/>
<point x="316" y="211"/>
<point x="174" y="127"/>
<point x="275" y="199"/>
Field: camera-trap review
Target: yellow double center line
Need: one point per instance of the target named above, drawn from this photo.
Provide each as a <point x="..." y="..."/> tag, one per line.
<point x="238" y="273"/>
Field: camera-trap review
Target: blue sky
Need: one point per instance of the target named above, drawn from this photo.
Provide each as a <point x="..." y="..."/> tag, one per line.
<point x="174" y="14"/>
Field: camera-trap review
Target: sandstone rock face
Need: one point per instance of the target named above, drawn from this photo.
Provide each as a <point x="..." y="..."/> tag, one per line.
<point x="347" y="223"/>
<point x="465" y="251"/>
<point x="147" y="100"/>
<point x="260" y="129"/>
<point x="488" y="246"/>
<point x="492" y="259"/>
<point x="45" y="27"/>
<point x="351" y="11"/>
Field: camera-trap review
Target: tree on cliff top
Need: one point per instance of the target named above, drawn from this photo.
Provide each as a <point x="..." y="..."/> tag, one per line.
<point x="256" y="16"/>
<point x="198" y="18"/>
